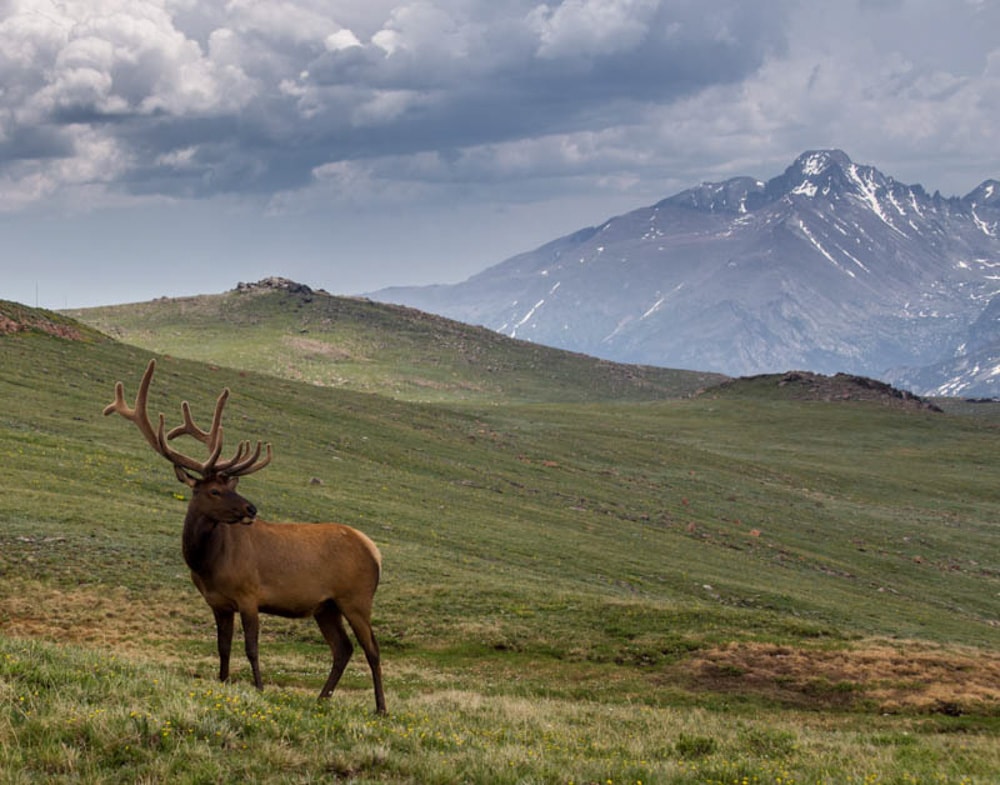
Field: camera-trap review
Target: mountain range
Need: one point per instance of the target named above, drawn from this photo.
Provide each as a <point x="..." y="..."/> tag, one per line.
<point x="830" y="267"/>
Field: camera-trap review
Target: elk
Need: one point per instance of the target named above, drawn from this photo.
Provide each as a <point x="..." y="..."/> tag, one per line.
<point x="242" y="564"/>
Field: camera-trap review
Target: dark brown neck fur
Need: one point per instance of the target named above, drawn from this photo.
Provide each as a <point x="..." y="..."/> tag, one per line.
<point x="201" y="540"/>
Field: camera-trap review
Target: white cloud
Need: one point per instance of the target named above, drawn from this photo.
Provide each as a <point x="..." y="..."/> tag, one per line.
<point x="388" y="40"/>
<point x="95" y="160"/>
<point x="580" y="28"/>
<point x="341" y="39"/>
<point x="281" y="19"/>
<point x="108" y="57"/>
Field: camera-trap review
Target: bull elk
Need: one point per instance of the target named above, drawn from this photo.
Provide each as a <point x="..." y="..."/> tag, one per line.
<point x="243" y="564"/>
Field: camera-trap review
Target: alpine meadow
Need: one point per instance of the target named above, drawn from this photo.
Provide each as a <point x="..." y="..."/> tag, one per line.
<point x="591" y="572"/>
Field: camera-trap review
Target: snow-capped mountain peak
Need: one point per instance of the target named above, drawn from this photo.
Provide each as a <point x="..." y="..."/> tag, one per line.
<point x="830" y="266"/>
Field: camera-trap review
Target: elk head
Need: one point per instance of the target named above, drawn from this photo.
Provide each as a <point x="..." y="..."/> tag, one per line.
<point x="213" y="481"/>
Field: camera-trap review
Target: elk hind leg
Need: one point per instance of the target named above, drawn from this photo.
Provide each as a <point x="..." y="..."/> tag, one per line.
<point x="331" y="624"/>
<point x="360" y="621"/>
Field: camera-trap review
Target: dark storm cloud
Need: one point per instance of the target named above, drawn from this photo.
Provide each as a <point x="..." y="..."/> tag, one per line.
<point x="190" y="99"/>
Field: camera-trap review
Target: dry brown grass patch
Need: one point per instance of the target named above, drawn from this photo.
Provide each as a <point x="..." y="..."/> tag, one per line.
<point x="95" y="616"/>
<point x="892" y="677"/>
<point x="311" y="347"/>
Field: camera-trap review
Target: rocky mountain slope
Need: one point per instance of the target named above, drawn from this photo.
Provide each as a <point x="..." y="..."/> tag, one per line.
<point x="830" y="267"/>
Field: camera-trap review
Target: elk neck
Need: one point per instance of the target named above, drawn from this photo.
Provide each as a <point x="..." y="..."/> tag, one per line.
<point x="203" y="541"/>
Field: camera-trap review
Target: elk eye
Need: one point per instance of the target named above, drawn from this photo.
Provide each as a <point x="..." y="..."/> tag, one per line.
<point x="215" y="492"/>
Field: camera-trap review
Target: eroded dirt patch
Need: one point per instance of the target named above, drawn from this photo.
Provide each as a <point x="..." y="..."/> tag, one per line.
<point x="311" y="347"/>
<point x="889" y="677"/>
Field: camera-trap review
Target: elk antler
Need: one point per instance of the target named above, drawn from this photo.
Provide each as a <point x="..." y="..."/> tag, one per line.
<point x="245" y="461"/>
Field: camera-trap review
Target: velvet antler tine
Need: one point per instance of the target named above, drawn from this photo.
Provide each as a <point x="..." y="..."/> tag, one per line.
<point x="136" y="414"/>
<point x="251" y="463"/>
<point x="176" y="458"/>
<point x="246" y="462"/>
<point x="119" y="402"/>
<point x="239" y="457"/>
<point x="215" y="434"/>
<point x="187" y="427"/>
<point x="210" y="437"/>
<point x="158" y="438"/>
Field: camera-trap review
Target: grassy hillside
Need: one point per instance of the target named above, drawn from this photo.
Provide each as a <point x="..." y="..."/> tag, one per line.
<point x="710" y="590"/>
<point x="299" y="334"/>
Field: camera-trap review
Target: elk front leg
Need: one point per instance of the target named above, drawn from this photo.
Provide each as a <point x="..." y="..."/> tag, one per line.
<point x="224" y="635"/>
<point x="251" y="631"/>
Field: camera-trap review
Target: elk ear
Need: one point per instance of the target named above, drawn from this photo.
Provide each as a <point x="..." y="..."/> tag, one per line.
<point x="184" y="477"/>
<point x="232" y="482"/>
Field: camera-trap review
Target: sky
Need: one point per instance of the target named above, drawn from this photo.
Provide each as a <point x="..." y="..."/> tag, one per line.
<point x="156" y="148"/>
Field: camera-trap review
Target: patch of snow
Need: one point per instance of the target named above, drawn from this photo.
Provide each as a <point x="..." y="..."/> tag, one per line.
<point x="806" y="188"/>
<point x="985" y="228"/>
<point x="868" y="188"/>
<point x="814" y="164"/>
<point x="854" y="259"/>
<point x="952" y="388"/>
<point x="618" y="328"/>
<point x="823" y="250"/>
<point x="531" y="313"/>
<point x="527" y="316"/>
<point x="654" y="308"/>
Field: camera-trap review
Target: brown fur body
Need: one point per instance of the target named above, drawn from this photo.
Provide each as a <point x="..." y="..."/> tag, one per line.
<point x="244" y="565"/>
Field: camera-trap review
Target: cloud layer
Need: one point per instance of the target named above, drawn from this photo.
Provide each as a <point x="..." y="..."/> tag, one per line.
<point x="296" y="105"/>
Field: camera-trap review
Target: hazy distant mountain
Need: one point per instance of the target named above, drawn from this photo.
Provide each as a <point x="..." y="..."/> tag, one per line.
<point x="831" y="266"/>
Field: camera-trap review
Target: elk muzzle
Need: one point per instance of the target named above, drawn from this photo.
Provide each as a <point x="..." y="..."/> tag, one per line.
<point x="243" y="511"/>
<point x="250" y="514"/>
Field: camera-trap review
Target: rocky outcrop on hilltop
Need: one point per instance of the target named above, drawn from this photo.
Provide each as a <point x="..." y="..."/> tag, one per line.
<point x="806" y="386"/>
<point x="17" y="318"/>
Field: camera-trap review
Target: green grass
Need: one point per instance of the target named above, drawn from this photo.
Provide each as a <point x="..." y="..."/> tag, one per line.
<point x="76" y="716"/>
<point x="684" y="590"/>
<point x="371" y="347"/>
